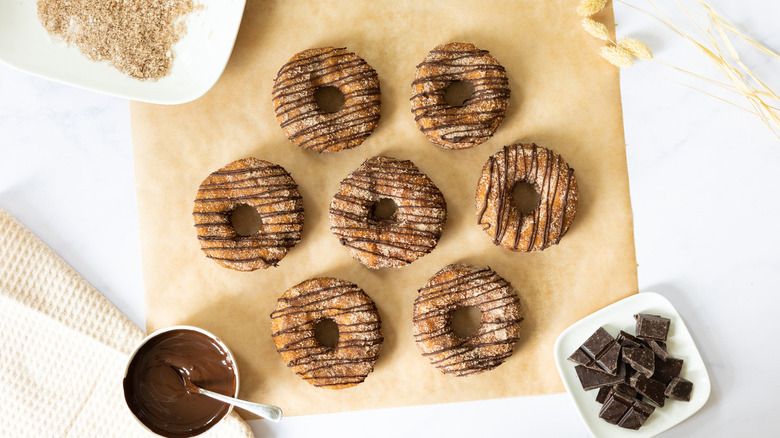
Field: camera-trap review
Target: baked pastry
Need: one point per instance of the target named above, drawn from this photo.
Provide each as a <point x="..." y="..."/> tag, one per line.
<point x="412" y="231"/>
<point x="302" y="119"/>
<point x="454" y="287"/>
<point x="459" y="127"/>
<point x="271" y="191"/>
<point x="552" y="179"/>
<point x="298" y="311"/>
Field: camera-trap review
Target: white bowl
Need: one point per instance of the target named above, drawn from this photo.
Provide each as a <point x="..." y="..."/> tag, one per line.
<point x="218" y="341"/>
<point x="199" y="57"/>
<point x="620" y="316"/>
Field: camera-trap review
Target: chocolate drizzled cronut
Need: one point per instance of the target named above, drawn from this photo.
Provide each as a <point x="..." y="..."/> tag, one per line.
<point x="304" y="122"/>
<point x="293" y="321"/>
<point x="269" y="189"/>
<point x="411" y="232"/>
<point x="461" y="285"/>
<point x="478" y="118"/>
<point x="551" y="178"/>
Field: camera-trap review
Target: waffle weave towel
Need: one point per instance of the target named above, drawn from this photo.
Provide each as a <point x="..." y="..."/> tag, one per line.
<point x="63" y="349"/>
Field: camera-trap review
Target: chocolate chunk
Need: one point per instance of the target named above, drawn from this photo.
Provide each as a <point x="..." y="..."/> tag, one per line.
<point x="625" y="411"/>
<point x="659" y="348"/>
<point x="679" y="389"/>
<point x="651" y="326"/>
<point x="601" y="397"/>
<point x="629" y="372"/>
<point x="629" y="340"/>
<point x="667" y="370"/>
<point x="640" y="359"/>
<point x="652" y="389"/>
<point x="591" y="379"/>
<point x="600" y="352"/>
<point x="625" y="389"/>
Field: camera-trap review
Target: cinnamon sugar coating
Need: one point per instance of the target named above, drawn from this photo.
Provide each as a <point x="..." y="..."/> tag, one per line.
<point x="474" y="122"/>
<point x="301" y="307"/>
<point x="268" y="188"/>
<point x="304" y="122"/>
<point x="456" y="286"/>
<point x="411" y="232"/>
<point x="552" y="179"/>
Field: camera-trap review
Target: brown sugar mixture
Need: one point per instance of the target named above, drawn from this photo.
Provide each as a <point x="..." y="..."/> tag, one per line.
<point x="134" y="36"/>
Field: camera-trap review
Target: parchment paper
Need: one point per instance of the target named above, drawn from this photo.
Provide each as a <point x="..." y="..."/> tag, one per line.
<point x="564" y="97"/>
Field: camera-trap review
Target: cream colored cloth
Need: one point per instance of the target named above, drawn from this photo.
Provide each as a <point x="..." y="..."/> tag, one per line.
<point x="64" y="349"/>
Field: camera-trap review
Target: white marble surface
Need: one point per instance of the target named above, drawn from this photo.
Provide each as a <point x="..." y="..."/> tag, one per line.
<point x="704" y="194"/>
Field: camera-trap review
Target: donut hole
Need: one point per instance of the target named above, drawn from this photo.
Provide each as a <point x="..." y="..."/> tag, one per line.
<point x="326" y="332"/>
<point x="466" y="321"/>
<point x="458" y="93"/>
<point x="383" y="209"/>
<point x="246" y="220"/>
<point x="525" y="197"/>
<point x="329" y="99"/>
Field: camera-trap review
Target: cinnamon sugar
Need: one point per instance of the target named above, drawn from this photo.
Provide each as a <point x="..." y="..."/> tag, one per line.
<point x="134" y="36"/>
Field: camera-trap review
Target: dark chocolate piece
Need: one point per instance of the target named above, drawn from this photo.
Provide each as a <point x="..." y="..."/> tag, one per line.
<point x="667" y="370"/>
<point x="679" y="389"/>
<point x="625" y="389"/>
<point x="641" y="359"/>
<point x="600" y="352"/>
<point x="629" y="340"/>
<point x="659" y="348"/>
<point x="601" y="397"/>
<point x="622" y="388"/>
<point x="592" y="379"/>
<point x="652" y="389"/>
<point x="651" y="326"/>
<point x="629" y="372"/>
<point x="625" y="411"/>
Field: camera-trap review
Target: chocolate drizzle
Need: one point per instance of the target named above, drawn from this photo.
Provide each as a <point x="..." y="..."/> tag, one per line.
<point x="359" y="340"/>
<point x="552" y="178"/>
<point x="268" y="188"/>
<point x="458" y="286"/>
<point x="474" y="122"/>
<point x="414" y="229"/>
<point x="304" y="122"/>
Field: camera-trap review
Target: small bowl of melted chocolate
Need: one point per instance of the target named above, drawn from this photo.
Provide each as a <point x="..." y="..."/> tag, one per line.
<point x="154" y="389"/>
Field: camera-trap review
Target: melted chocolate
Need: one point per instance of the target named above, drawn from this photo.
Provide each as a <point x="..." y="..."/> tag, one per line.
<point x="155" y="393"/>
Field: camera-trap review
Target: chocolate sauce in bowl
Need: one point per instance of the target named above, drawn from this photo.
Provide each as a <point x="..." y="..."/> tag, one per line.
<point x="156" y="394"/>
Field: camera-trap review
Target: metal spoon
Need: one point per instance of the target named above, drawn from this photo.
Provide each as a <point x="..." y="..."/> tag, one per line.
<point x="269" y="412"/>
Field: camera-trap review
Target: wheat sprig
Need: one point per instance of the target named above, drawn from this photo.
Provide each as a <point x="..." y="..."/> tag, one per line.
<point x="587" y="8"/>
<point x="617" y="56"/>
<point x="636" y="48"/>
<point x="716" y="46"/>
<point x="595" y="29"/>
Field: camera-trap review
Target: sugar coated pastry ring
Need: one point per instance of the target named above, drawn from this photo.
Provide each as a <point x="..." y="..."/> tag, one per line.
<point x="300" y="309"/>
<point x="478" y="118"/>
<point x="457" y="286"/>
<point x="304" y="122"/>
<point x="271" y="191"/>
<point x="552" y="179"/>
<point x="411" y="232"/>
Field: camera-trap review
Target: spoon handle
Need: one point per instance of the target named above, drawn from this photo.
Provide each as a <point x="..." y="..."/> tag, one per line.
<point x="268" y="412"/>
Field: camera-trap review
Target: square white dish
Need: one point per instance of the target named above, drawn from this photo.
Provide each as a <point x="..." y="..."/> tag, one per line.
<point x="199" y="57"/>
<point x="620" y="316"/>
